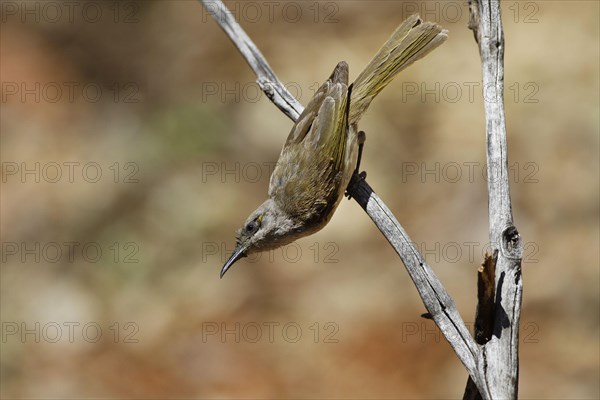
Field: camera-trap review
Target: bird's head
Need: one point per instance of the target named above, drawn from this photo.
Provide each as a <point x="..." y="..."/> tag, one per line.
<point x="266" y="228"/>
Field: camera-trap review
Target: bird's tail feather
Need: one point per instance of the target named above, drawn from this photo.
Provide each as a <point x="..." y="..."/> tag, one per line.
<point x="412" y="40"/>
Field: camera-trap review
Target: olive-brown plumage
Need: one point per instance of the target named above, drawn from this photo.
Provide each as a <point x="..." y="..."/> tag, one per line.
<point x="320" y="153"/>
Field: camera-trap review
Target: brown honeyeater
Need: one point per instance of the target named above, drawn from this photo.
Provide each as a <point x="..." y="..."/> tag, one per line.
<point x="320" y="153"/>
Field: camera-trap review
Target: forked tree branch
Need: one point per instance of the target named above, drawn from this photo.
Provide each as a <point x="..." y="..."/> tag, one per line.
<point x="436" y="299"/>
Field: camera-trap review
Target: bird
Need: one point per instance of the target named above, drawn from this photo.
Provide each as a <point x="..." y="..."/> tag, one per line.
<point x="322" y="149"/>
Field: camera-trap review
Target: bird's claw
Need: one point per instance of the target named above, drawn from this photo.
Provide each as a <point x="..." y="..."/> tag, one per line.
<point x="356" y="177"/>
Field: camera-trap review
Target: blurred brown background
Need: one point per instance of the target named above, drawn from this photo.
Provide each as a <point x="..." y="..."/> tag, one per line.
<point x="135" y="143"/>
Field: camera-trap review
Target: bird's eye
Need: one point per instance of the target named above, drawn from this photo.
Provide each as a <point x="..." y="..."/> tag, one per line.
<point x="251" y="227"/>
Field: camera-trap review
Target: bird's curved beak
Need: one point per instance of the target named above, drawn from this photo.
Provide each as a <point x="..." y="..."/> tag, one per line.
<point x="239" y="252"/>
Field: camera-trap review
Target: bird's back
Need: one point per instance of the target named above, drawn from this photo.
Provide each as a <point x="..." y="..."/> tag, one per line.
<point x="306" y="183"/>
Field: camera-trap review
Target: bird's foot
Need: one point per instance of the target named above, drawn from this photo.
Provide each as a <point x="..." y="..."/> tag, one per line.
<point x="356" y="177"/>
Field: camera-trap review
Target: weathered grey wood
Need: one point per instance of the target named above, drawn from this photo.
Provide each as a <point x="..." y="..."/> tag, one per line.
<point x="500" y="354"/>
<point x="494" y="366"/>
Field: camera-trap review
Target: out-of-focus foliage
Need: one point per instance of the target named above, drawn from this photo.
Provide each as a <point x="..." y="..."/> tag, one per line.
<point x="164" y="107"/>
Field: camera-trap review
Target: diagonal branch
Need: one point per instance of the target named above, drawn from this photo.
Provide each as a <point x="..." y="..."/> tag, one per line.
<point x="265" y="77"/>
<point x="435" y="297"/>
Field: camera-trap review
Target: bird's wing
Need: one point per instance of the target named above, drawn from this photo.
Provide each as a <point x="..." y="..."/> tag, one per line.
<point x="329" y="88"/>
<point x="310" y="168"/>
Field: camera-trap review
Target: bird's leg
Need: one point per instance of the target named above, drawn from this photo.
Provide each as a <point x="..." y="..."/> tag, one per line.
<point x="362" y="137"/>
